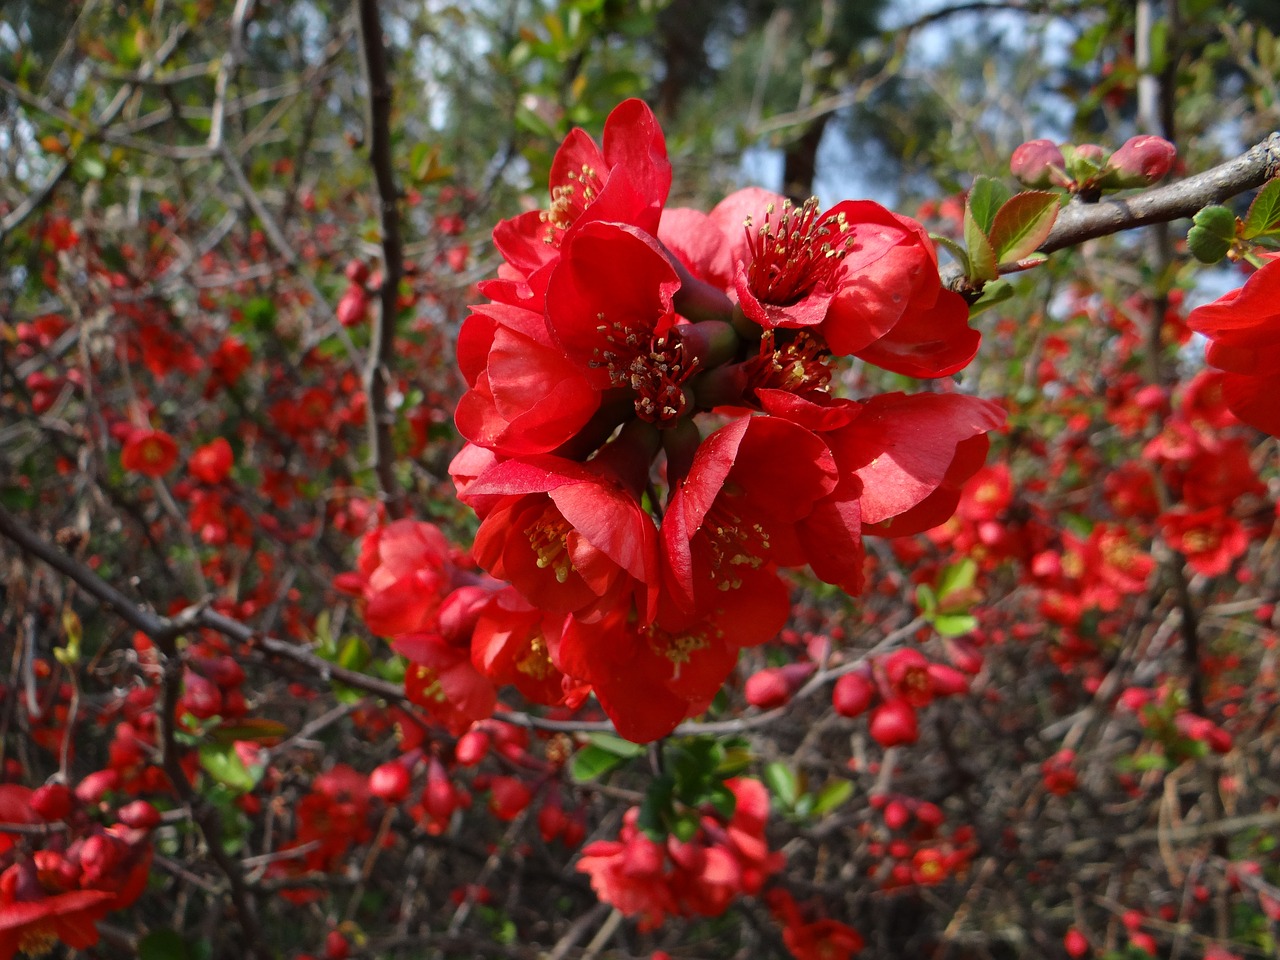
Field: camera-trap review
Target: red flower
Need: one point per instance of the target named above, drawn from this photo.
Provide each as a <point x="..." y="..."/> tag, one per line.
<point x="525" y="395"/>
<point x="211" y="463"/>
<point x="821" y="939"/>
<point x="1211" y="539"/>
<point x="862" y="278"/>
<point x="1244" y="332"/>
<point x="404" y="571"/>
<point x="34" y="926"/>
<point x="512" y="644"/>
<point x="626" y="182"/>
<point x="732" y="522"/>
<point x="648" y="678"/>
<point x="609" y="305"/>
<point x="151" y="453"/>
<point x="568" y="536"/>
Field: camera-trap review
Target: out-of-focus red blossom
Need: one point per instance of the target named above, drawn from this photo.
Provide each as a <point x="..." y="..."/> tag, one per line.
<point x="508" y="797"/>
<point x="1059" y="777"/>
<point x="1243" y="328"/>
<point x="774" y="686"/>
<point x="151" y="453"/>
<point x="1203" y="730"/>
<point x="1076" y="944"/>
<point x="403" y="572"/>
<point x="353" y="307"/>
<point x="34" y="926"/>
<point x="853" y="694"/>
<point x="894" y="723"/>
<point x="212" y="462"/>
<point x="701" y="876"/>
<point x="815" y="939"/>
<point x="1210" y="539"/>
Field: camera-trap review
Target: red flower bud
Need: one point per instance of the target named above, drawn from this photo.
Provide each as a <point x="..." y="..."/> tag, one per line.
<point x="853" y="693"/>
<point x="893" y="723"/>
<point x="53" y="801"/>
<point x="357" y="271"/>
<point x="1075" y="943"/>
<point x="1035" y="162"/>
<point x="472" y="747"/>
<point x="774" y="686"/>
<point x="390" y="781"/>
<point x="353" y="307"/>
<point x="139" y="814"/>
<point x="1141" y="161"/>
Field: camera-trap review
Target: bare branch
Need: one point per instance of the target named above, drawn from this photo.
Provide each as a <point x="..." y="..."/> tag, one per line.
<point x="1079" y="222"/>
<point x="378" y="373"/>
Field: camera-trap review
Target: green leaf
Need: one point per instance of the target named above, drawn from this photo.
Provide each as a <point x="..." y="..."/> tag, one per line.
<point x="1213" y="234"/>
<point x="955" y="249"/>
<point x="614" y="744"/>
<point x="258" y="729"/>
<point x="954" y="624"/>
<point x="1264" y="212"/>
<point x="835" y="794"/>
<point x="723" y="800"/>
<point x="781" y="781"/>
<point x="656" y="811"/>
<point x="354" y="653"/>
<point x="926" y="599"/>
<point x="986" y="197"/>
<point x="591" y="762"/>
<point x="221" y="762"/>
<point x="982" y="258"/>
<point x="163" y="945"/>
<point x="1023" y="223"/>
<point x="957" y="577"/>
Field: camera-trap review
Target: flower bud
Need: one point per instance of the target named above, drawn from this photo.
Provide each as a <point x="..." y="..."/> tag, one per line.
<point x="1140" y="162"/>
<point x="1035" y="161"/>
<point x="774" y="686"/>
<point x="852" y="695"/>
<point x="894" y="723"/>
<point x="390" y="782"/>
<point x="53" y="801"/>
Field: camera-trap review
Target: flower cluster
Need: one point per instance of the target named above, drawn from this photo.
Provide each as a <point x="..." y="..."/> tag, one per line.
<point x="651" y="880"/>
<point x="652" y="433"/>
<point x="80" y="871"/>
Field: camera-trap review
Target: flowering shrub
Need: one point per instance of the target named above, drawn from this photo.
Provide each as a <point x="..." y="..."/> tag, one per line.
<point x="676" y="568"/>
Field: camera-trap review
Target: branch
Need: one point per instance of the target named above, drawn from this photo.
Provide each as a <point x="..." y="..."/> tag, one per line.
<point x="1079" y="222"/>
<point x="382" y="335"/>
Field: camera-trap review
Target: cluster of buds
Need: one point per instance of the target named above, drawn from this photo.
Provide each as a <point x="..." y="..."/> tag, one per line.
<point x="1086" y="169"/>
<point x="902" y="682"/>
<point x="68" y="870"/>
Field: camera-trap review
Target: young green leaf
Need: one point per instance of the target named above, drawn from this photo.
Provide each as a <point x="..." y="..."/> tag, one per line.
<point x="982" y="258"/>
<point x="1023" y="223"/>
<point x="986" y="197"/>
<point x="1212" y="235"/>
<point x="1264" y="212"/>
